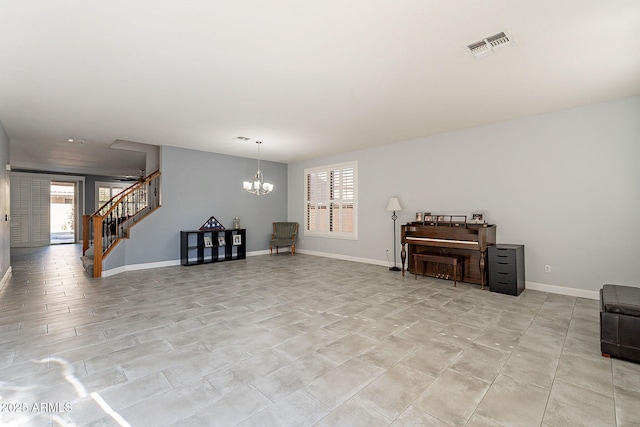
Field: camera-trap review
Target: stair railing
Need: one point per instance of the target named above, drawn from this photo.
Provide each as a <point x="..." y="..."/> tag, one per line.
<point x="112" y="221"/>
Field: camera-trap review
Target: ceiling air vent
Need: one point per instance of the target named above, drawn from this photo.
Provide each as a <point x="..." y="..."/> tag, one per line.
<point x="488" y="44"/>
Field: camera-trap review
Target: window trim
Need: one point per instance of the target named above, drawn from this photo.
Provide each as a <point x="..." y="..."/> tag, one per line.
<point x="353" y="235"/>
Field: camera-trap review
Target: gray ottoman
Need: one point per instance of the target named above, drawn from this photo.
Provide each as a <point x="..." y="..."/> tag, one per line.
<point x="620" y="322"/>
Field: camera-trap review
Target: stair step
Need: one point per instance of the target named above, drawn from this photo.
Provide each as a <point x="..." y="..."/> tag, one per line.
<point x="87" y="264"/>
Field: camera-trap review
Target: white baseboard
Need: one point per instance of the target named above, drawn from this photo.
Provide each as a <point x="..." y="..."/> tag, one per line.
<point x="256" y="253"/>
<point x="172" y="263"/>
<point x="135" y="267"/>
<point x="5" y="277"/>
<point x="343" y="257"/>
<point x="574" y="292"/>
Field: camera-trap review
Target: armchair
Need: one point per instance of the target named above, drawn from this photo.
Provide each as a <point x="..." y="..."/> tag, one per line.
<point x="284" y="234"/>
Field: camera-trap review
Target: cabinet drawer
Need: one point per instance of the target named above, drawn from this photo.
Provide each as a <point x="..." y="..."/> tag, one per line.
<point x="504" y="256"/>
<point x="505" y="288"/>
<point x="504" y="267"/>
<point x="503" y="277"/>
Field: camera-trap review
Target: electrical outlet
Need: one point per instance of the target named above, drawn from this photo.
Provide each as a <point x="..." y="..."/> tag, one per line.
<point x="547" y="268"/>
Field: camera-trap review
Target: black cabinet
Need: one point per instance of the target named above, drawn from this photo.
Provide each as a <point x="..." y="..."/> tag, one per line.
<point x="203" y="246"/>
<point x="506" y="269"/>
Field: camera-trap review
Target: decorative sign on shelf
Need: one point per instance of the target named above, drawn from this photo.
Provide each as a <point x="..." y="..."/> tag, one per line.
<point x="212" y="224"/>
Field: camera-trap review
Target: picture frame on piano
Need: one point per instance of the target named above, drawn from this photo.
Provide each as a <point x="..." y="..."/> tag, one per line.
<point x="448" y="220"/>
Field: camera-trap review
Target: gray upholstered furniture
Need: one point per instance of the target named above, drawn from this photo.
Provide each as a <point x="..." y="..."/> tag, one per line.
<point x="620" y="322"/>
<point x="284" y="234"/>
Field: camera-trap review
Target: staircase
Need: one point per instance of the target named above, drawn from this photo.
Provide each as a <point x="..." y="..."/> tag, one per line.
<point x="102" y="230"/>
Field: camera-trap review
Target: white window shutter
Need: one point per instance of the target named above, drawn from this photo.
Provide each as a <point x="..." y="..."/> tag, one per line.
<point x="30" y="205"/>
<point x="40" y="216"/>
<point x="331" y="201"/>
<point x="20" y="208"/>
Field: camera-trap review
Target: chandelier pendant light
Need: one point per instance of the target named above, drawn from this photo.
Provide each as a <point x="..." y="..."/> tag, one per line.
<point x="258" y="186"/>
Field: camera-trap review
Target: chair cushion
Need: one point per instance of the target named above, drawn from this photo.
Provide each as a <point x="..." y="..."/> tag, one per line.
<point x="620" y="299"/>
<point x="282" y="242"/>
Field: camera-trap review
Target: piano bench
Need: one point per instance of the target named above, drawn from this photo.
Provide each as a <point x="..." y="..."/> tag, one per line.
<point x="438" y="259"/>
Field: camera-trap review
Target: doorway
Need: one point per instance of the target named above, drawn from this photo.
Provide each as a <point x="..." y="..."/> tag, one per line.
<point x="63" y="212"/>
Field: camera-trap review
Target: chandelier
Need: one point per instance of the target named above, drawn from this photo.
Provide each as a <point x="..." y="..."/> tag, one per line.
<point x="258" y="186"/>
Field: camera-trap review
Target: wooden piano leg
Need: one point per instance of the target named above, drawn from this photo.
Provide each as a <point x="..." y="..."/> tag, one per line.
<point x="403" y="257"/>
<point x="482" y="266"/>
<point x="455" y="271"/>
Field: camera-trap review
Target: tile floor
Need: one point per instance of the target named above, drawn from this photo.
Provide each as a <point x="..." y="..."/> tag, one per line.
<point x="296" y="341"/>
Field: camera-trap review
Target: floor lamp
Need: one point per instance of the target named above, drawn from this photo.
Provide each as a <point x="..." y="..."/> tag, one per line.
<point x="394" y="205"/>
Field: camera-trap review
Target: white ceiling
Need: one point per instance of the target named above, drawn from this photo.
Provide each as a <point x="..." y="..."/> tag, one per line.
<point x="309" y="78"/>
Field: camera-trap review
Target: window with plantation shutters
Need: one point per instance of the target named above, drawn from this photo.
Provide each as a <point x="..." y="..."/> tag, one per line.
<point x="106" y="190"/>
<point x="331" y="201"/>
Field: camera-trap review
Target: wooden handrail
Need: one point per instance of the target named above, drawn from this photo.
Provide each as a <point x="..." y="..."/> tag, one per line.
<point x="124" y="194"/>
<point x="135" y="203"/>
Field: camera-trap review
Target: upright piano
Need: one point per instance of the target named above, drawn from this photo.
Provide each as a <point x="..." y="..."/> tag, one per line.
<point x="469" y="241"/>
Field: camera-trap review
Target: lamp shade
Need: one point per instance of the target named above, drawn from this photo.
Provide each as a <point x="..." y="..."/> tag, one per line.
<point x="394" y="204"/>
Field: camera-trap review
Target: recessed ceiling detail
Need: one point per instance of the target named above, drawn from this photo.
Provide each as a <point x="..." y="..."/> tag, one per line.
<point x="488" y="44"/>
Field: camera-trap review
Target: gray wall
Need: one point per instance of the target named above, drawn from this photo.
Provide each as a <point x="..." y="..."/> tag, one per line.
<point x="195" y="186"/>
<point x="564" y="184"/>
<point x="5" y="238"/>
